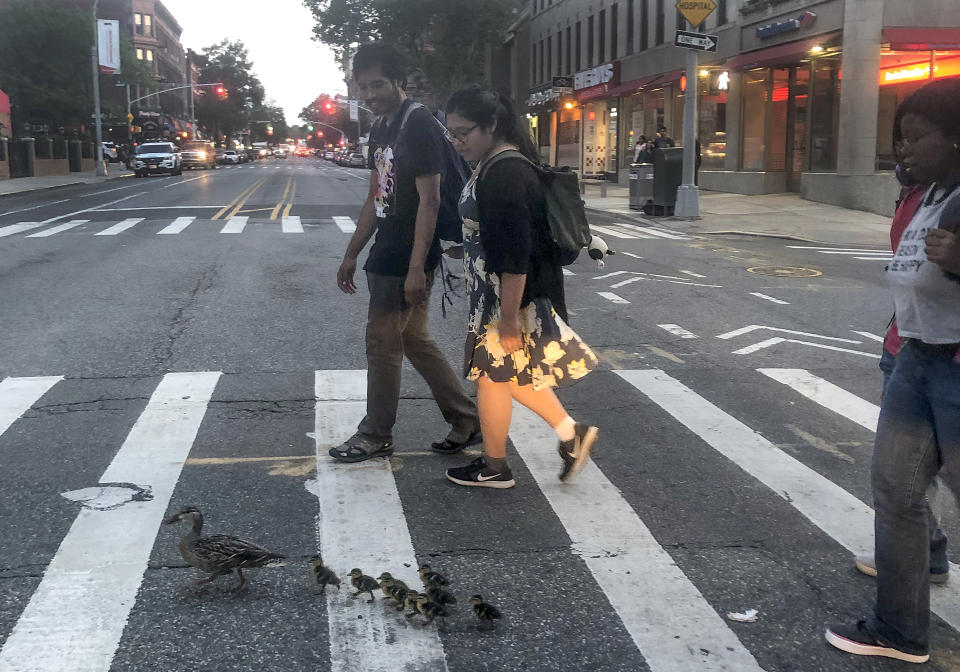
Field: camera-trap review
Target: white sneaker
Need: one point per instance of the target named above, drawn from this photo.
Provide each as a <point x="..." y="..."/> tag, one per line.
<point x="868" y="565"/>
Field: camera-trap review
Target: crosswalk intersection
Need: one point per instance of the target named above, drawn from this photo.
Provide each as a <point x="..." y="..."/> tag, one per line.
<point x="178" y="225"/>
<point x="366" y="515"/>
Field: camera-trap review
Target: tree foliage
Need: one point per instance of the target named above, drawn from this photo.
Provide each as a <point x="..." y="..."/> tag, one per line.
<point x="229" y="63"/>
<point x="445" y="39"/>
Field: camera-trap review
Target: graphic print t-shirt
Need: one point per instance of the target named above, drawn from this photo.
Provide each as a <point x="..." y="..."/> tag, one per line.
<point x="399" y="158"/>
<point x="927" y="300"/>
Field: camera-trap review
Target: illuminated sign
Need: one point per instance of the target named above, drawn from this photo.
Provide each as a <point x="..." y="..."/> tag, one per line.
<point x="723" y="81"/>
<point x="918" y="72"/>
<point x="602" y="74"/>
<point x="773" y="29"/>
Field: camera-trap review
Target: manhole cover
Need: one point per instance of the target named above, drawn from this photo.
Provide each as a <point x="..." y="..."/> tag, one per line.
<point x="786" y="271"/>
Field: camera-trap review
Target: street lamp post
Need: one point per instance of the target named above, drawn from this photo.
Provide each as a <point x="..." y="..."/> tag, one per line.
<point x="95" y="62"/>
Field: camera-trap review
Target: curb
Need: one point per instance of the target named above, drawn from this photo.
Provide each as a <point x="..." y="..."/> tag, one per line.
<point x="58" y="186"/>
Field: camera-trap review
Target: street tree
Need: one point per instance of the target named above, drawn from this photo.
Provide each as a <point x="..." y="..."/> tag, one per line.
<point x="444" y="39"/>
<point x="224" y="114"/>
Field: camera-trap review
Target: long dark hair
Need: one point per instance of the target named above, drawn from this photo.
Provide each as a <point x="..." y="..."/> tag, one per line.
<point x="489" y="108"/>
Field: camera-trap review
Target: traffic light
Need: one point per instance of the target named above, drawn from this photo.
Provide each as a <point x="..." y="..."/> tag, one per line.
<point x="328" y="106"/>
<point x="221" y="93"/>
<point x="319" y="134"/>
<point x="309" y="137"/>
<point x="269" y="129"/>
<point x="310" y="127"/>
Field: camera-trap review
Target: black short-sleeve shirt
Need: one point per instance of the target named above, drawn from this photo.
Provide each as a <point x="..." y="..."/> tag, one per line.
<point x="399" y="157"/>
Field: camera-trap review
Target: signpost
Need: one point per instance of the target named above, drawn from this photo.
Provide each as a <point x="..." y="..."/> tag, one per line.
<point x="695" y="12"/>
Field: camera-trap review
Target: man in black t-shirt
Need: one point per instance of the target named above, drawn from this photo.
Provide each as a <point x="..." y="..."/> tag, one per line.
<point x="406" y="157"/>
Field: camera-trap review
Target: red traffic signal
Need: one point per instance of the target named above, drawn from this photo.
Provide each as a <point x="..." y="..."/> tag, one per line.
<point x="319" y="134"/>
<point x="221" y="92"/>
<point x="328" y="106"/>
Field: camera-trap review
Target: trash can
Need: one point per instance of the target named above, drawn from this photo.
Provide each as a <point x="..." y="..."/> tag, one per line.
<point x="641" y="185"/>
<point x="667" y="178"/>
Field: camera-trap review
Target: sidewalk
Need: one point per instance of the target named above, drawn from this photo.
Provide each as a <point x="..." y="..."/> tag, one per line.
<point x="21" y="185"/>
<point x="773" y="215"/>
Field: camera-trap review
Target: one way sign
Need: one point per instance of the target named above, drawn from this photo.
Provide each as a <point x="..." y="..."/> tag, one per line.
<point x="697" y="41"/>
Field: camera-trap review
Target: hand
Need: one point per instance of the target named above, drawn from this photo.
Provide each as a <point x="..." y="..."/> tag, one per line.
<point x="345" y="275"/>
<point x="510" y="338"/>
<point x="415" y="287"/>
<point x="943" y="249"/>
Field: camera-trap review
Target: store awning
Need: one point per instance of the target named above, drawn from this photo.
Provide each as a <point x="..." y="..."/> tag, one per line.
<point x="778" y="55"/>
<point x="910" y="39"/>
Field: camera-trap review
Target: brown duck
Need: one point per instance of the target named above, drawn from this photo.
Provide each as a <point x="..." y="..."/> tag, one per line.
<point x="218" y="554"/>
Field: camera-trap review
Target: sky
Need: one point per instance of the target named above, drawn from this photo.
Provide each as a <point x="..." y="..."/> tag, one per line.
<point x="293" y="68"/>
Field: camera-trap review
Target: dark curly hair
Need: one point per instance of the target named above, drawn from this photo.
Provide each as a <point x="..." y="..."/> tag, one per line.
<point x="939" y="103"/>
<point x="392" y="63"/>
<point x="487" y="108"/>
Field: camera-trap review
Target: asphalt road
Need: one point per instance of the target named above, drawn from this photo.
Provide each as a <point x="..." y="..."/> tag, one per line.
<point x="176" y="341"/>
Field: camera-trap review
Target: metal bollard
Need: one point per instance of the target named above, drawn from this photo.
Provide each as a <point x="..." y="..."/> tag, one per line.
<point x="583" y="188"/>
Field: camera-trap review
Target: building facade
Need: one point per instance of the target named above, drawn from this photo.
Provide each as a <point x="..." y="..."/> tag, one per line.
<point x="799" y="96"/>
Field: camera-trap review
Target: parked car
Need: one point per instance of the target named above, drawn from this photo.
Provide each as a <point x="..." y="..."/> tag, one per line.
<point x="230" y="156"/>
<point x="198" y="154"/>
<point x="110" y="151"/>
<point x="329" y="155"/>
<point x="355" y="160"/>
<point x="157" y="157"/>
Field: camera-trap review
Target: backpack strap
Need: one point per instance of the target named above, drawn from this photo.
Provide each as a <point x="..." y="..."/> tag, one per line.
<point x="506" y="154"/>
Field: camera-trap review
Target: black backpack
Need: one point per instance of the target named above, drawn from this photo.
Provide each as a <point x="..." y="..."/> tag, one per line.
<point x="566" y="215"/>
<point x="454" y="176"/>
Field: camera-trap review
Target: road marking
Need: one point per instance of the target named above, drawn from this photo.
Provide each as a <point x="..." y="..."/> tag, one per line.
<point x="677" y="330"/>
<point x="759" y="346"/>
<point x="235" y="224"/>
<point x="233" y="206"/>
<point x="770" y="298"/>
<point x="291" y="224"/>
<point x="828" y="395"/>
<point x="889" y="258"/>
<point x="361" y="524"/>
<point x="57" y="229"/>
<point x="696" y="275"/>
<point x="345" y="224"/>
<point x="175" y="184"/>
<point x="873" y="255"/>
<point x="777" y="340"/>
<point x="17" y="395"/>
<point x="283" y="198"/>
<point x="35" y="207"/>
<point x="611" y="275"/>
<point x="79" y="610"/>
<point x="91" y="209"/>
<point x="635" y="278"/>
<point x="754" y="327"/>
<point x="97" y="193"/>
<point x="610" y="296"/>
<point x="176" y="226"/>
<point x="616" y="233"/>
<point x="120" y="227"/>
<point x="631" y="254"/>
<point x="661" y="234"/>
<point x="828" y="506"/>
<point x="635" y="573"/>
<point x="660" y="278"/>
<point x="160" y="207"/>
<point x="868" y="335"/>
<point x="19" y="227"/>
<point x="838" y="249"/>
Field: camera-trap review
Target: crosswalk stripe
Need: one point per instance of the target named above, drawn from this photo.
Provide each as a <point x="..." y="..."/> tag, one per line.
<point x="837" y="249"/>
<point x="120" y="227"/>
<point x="177" y="225"/>
<point x="677" y="330"/>
<point x="828" y="395"/>
<point x="616" y="233"/>
<point x="19" y="227"/>
<point x="291" y="224"/>
<point x="235" y="224"/>
<point x="17" y="395"/>
<point x="58" y="228"/>
<point x="345" y="224"/>
<point x="638" y="577"/>
<point x="79" y="610"/>
<point x="615" y="298"/>
<point x="361" y="524"/>
<point x="770" y="298"/>
<point x="661" y="234"/>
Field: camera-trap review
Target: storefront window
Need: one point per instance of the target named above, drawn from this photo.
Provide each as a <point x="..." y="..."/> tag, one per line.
<point x="595" y="138"/>
<point x="568" y="138"/>
<point x="713" y="120"/>
<point x="613" y="123"/>
<point x="754" y="119"/>
<point x="824" y="113"/>
<point x="777" y="160"/>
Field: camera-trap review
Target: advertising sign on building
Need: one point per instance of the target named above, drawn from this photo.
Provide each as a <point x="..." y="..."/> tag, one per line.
<point x="608" y="73"/>
<point x="354" y="110"/>
<point x="108" y="38"/>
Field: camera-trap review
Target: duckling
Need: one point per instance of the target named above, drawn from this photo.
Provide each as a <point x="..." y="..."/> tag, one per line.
<point x="410" y="603"/>
<point x="323" y="574"/>
<point x="393" y="589"/>
<point x="363" y="583"/>
<point x="430" y="610"/>
<point x="218" y="554"/>
<point x="440" y="596"/>
<point x="485" y="611"/>
<point x="430" y="577"/>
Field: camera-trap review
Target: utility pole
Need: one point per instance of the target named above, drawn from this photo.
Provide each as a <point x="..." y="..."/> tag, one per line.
<point x="688" y="201"/>
<point x="95" y="62"/>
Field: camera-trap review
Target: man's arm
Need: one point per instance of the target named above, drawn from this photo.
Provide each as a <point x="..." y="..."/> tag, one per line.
<point x="428" y="188"/>
<point x="366" y="225"/>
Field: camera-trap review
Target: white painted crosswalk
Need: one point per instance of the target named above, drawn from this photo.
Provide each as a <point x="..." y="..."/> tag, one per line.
<point x="120" y="227"/>
<point x="185" y="225"/>
<point x="80" y="609"/>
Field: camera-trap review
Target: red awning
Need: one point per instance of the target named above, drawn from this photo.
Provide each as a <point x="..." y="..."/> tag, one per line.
<point x="909" y="39"/>
<point x="4" y="103"/>
<point x="780" y="54"/>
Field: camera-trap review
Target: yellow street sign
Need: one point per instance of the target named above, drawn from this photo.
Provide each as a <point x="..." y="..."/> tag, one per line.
<point x="129" y="117"/>
<point x="696" y="11"/>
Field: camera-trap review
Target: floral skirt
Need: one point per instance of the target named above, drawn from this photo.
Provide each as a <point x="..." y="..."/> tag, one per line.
<point x="552" y="354"/>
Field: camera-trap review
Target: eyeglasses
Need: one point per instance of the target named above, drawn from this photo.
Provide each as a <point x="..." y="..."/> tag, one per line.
<point x="460" y="136"/>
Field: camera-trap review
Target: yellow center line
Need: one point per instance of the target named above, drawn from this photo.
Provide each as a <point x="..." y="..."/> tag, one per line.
<point x="273" y="215"/>
<point x="293" y="191"/>
<point x="243" y="195"/>
<point x="246" y="197"/>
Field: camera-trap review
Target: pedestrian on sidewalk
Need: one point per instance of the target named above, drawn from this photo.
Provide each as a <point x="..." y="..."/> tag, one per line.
<point x="401" y="208"/>
<point x="918" y="435"/>
<point x="644" y="153"/>
<point x="663" y="139"/>
<point x="518" y="346"/>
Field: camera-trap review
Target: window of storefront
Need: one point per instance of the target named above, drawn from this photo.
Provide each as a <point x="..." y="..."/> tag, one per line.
<point x="754" y="119"/>
<point x="568" y="137"/>
<point x="824" y="113"/>
<point x="712" y="129"/>
<point x="902" y="73"/>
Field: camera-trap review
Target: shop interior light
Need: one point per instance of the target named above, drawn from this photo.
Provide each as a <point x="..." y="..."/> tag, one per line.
<point x="704" y="73"/>
<point x="816" y="49"/>
<point x="568" y="105"/>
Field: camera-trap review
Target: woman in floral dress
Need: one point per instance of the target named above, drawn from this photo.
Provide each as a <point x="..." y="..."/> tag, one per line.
<point x="518" y="346"/>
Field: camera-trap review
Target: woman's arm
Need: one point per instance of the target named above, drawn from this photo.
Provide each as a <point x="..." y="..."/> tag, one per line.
<point x="511" y="295"/>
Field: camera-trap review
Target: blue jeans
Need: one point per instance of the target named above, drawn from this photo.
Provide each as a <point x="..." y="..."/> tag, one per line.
<point x="938" y="540"/>
<point x="918" y="433"/>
